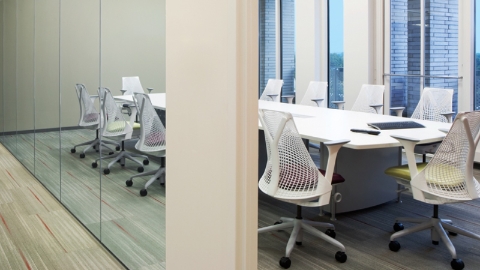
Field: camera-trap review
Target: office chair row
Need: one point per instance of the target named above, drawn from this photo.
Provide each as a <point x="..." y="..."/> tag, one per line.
<point x="291" y="175"/>
<point x="149" y="131"/>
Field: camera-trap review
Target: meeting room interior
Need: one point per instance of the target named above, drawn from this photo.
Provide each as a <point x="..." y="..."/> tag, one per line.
<point x="302" y="134"/>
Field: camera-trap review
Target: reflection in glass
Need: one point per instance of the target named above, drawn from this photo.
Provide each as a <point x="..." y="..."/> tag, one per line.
<point x="477" y="56"/>
<point x="132" y="226"/>
<point x="47" y="136"/>
<point x="335" y="47"/>
<point x="80" y="64"/>
<point x="25" y="83"/>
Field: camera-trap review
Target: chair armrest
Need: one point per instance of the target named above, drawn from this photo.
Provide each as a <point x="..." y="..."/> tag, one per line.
<point x="333" y="148"/>
<point x="408" y="144"/>
<point x="340" y="104"/>
<point x="317" y="101"/>
<point x="289" y="98"/>
<point x="272" y="96"/>
<point x="444" y="130"/>
<point x="376" y="107"/>
<point x="149" y="90"/>
<point x="398" y="110"/>
<point x="448" y="115"/>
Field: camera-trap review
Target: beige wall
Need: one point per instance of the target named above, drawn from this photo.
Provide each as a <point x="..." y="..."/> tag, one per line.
<point x="48" y="48"/>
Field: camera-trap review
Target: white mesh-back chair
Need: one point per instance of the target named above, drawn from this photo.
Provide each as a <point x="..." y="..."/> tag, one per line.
<point x="435" y="104"/>
<point x="116" y="126"/>
<point x="369" y="100"/>
<point x="447" y="178"/>
<point x="291" y="176"/>
<point x="272" y="90"/>
<point x="152" y="139"/>
<point x="90" y="119"/>
<point x="316" y="94"/>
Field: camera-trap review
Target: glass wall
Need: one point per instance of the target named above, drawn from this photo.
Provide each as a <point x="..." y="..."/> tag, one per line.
<point x="335" y="52"/>
<point x="477" y="56"/>
<point x="48" y="48"/>
<point x="424" y="49"/>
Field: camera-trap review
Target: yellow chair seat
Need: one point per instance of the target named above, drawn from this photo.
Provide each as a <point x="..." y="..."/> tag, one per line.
<point x="402" y="172"/>
<point x="440" y="174"/>
<point x="119" y="126"/>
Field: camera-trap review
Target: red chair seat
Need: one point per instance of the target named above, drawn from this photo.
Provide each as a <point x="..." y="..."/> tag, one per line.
<point x="336" y="178"/>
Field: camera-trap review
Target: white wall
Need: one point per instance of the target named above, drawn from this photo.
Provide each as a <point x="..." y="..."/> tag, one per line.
<point x="49" y="48"/>
<point x="212" y="82"/>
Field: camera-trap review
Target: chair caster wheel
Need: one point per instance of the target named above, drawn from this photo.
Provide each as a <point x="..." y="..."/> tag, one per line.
<point x="123" y="165"/>
<point x="94" y="147"/>
<point x="278" y="222"/>
<point x="340" y="256"/>
<point x="146" y="162"/>
<point x="73" y="151"/>
<point x="298" y="243"/>
<point x="94" y="165"/>
<point x="143" y="192"/>
<point x="110" y="153"/>
<point x="457" y="264"/>
<point x="129" y="183"/>
<point x="82" y="155"/>
<point x="106" y="171"/>
<point x="435" y="243"/>
<point x="331" y="233"/>
<point x="285" y="262"/>
<point x="117" y="148"/>
<point x="394" y="246"/>
<point x="398" y="226"/>
<point x="452" y="233"/>
<point x="140" y="169"/>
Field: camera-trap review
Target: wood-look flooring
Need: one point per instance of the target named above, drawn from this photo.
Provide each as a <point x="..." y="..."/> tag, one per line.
<point x="36" y="232"/>
<point x="133" y="227"/>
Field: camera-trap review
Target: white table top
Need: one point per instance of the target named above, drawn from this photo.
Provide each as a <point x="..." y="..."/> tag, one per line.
<point x="159" y="100"/>
<point x="322" y="124"/>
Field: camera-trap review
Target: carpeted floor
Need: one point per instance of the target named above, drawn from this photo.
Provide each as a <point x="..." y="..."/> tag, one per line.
<point x="133" y="227"/>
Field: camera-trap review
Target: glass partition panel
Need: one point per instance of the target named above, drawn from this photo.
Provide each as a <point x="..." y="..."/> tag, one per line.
<point x="80" y="64"/>
<point x="132" y="45"/>
<point x="10" y="74"/>
<point x="2" y="122"/>
<point x="47" y="135"/>
<point x="335" y="52"/>
<point x="25" y="84"/>
<point x="477" y="56"/>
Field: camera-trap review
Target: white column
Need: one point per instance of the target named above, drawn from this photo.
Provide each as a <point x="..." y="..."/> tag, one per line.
<point x="307" y="43"/>
<point x="212" y="127"/>
<point x="361" y="46"/>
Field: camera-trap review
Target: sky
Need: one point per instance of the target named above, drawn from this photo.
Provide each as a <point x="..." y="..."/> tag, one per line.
<point x="336" y="26"/>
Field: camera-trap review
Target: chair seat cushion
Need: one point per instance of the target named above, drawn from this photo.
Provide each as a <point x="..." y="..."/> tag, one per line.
<point x="154" y="139"/>
<point x="120" y="126"/>
<point x="90" y="117"/>
<point x="403" y="172"/>
<point x="336" y="178"/>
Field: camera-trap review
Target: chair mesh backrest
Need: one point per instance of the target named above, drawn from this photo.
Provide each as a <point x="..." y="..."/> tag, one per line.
<point x="369" y="95"/>
<point x="273" y="87"/>
<point x="138" y="100"/>
<point x="447" y="170"/>
<point x="152" y="131"/>
<point x="115" y="124"/>
<point x="89" y="116"/>
<point x="298" y="176"/>
<point x="432" y="103"/>
<point x="132" y="85"/>
<point x="315" y="90"/>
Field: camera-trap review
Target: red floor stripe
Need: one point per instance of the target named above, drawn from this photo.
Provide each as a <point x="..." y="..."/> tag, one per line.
<point x="6" y="226"/>
<point x="44" y="224"/>
<point x="13" y="178"/>
<point x="24" y="259"/>
<point x="38" y="199"/>
<point x="121" y="228"/>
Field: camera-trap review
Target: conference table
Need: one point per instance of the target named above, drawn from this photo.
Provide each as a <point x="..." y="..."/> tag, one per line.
<point x="362" y="161"/>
